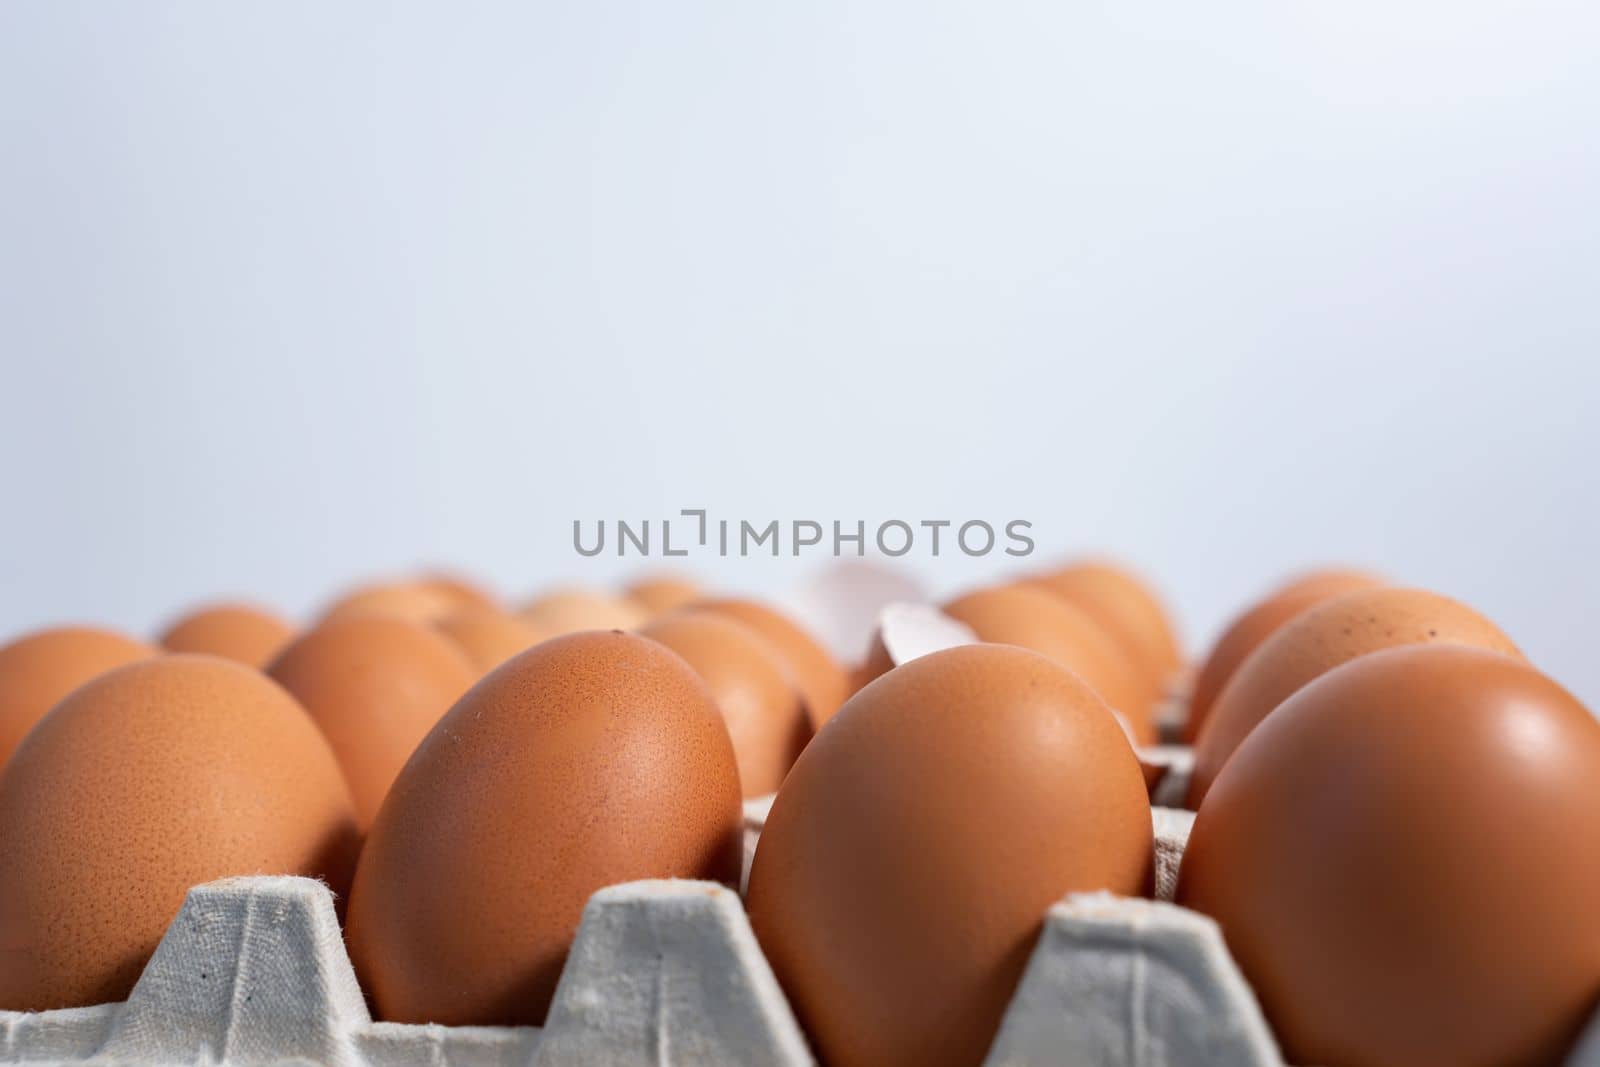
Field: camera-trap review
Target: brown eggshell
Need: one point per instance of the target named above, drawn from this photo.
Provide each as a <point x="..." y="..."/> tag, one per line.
<point x="765" y="715"/>
<point x="1319" y="639"/>
<point x="1130" y="611"/>
<point x="38" y="669"/>
<point x="488" y="636"/>
<point x="566" y="611"/>
<point x="240" y="632"/>
<point x="661" y="593"/>
<point x="1153" y="773"/>
<point x="1246" y="633"/>
<point x="588" y="760"/>
<point x="1400" y="860"/>
<point x="904" y="873"/>
<point x="1329" y="582"/>
<point x="822" y="681"/>
<point x="877" y="663"/>
<point x="420" y="602"/>
<point x="464" y="593"/>
<point x="150" y="779"/>
<point x="1030" y="617"/>
<point x="914" y="630"/>
<point x="375" y="685"/>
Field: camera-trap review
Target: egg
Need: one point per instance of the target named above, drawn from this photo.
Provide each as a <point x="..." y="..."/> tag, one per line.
<point x="822" y="681"/>
<point x="1130" y="611"/>
<point x="150" y="779"/>
<point x="905" y="631"/>
<point x="1329" y="581"/>
<point x="375" y="685"/>
<point x="1401" y="862"/>
<point x="876" y="663"/>
<point x="463" y="593"/>
<point x="1033" y="618"/>
<point x="566" y="611"/>
<point x="766" y="717"/>
<point x="488" y="636"/>
<point x="588" y="760"/>
<point x="908" y="861"/>
<point x="1319" y="639"/>
<point x="422" y="602"/>
<point x="661" y="593"/>
<point x="1246" y="633"/>
<point x="240" y="632"/>
<point x="39" y="668"/>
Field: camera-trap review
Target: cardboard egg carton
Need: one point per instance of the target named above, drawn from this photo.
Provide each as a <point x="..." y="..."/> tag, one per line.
<point x="254" y="971"/>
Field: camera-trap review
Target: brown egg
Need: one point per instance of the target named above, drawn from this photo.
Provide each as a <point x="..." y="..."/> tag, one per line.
<point x="1329" y="581"/>
<point x="568" y="611"/>
<point x="1247" y="632"/>
<point x="1319" y="639"/>
<point x="421" y="602"/>
<point x="38" y="669"/>
<point x="488" y="636"/>
<point x="150" y="779"/>
<point x="904" y="873"/>
<point x="375" y="685"/>
<point x="765" y="715"/>
<point x="1029" y="617"/>
<point x="819" y="677"/>
<point x="239" y="632"/>
<point x="877" y="663"/>
<point x="880" y="661"/>
<point x="462" y="592"/>
<point x="1130" y="611"/>
<point x="661" y="593"/>
<point x="911" y="629"/>
<point x="1401" y="862"/>
<point x="588" y="760"/>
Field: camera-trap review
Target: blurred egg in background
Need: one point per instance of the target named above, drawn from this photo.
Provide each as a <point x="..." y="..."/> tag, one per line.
<point x="1228" y="293"/>
<point x="535" y="444"/>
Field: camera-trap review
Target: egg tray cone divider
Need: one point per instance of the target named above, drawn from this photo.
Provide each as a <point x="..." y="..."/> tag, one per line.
<point x="253" y="971"/>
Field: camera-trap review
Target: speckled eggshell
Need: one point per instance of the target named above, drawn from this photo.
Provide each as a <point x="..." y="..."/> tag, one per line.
<point x="661" y="593"/>
<point x="375" y="685"/>
<point x="904" y="873"/>
<point x="153" y="778"/>
<point x="38" y="669"/>
<point x="1245" y="634"/>
<point x="488" y="636"/>
<point x="566" y="611"/>
<point x="1401" y="860"/>
<point x="1317" y="640"/>
<point x="765" y="715"/>
<point x="240" y="632"/>
<point x="588" y="760"/>
<point x="1029" y="617"/>
<point x="1130" y="611"/>
<point x="822" y="681"/>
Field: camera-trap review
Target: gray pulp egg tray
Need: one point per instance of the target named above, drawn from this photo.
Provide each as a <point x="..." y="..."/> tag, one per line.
<point x="254" y="971"/>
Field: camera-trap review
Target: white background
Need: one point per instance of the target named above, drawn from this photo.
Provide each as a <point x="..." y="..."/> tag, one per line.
<point x="291" y="294"/>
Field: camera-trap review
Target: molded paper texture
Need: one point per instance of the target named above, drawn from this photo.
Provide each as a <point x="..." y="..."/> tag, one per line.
<point x="254" y="971"/>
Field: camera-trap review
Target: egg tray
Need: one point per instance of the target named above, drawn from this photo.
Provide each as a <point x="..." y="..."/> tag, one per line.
<point x="254" y="971"/>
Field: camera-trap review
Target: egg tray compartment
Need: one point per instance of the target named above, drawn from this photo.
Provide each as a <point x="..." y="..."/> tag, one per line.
<point x="254" y="971"/>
